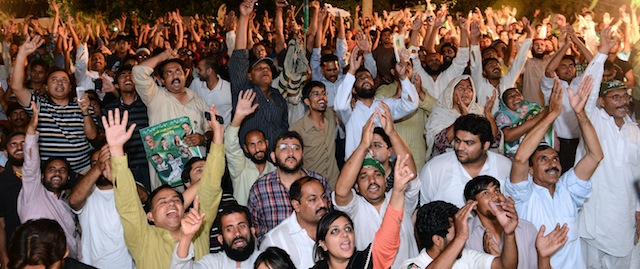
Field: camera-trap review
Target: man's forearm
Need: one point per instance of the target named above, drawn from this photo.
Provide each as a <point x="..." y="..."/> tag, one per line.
<point x="509" y="257"/>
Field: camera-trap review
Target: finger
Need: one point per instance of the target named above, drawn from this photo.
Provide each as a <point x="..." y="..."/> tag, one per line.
<point x="196" y="203"/>
<point x="541" y="231"/>
<point x="111" y="122"/>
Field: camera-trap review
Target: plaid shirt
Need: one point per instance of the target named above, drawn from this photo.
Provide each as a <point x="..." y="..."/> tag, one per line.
<point x="269" y="201"/>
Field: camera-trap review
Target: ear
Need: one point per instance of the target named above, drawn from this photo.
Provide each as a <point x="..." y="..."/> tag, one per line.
<point x="253" y="231"/>
<point x="273" y="157"/>
<point x="187" y="72"/>
<point x="296" y="205"/>
<point x="530" y="170"/>
<point x="306" y="101"/>
<point x="220" y="239"/>
<point x="601" y="101"/>
<point x="6" y="153"/>
<point x="66" y="252"/>
<point x="437" y="240"/>
<point x="486" y="146"/>
<point x="150" y="217"/>
<point x="244" y="147"/>
<point x="322" y="245"/>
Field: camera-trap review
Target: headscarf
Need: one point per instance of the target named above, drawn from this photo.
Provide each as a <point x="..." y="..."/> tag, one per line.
<point x="444" y="114"/>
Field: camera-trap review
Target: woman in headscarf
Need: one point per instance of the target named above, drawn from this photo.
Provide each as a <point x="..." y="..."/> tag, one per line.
<point x="458" y="99"/>
<point x="516" y="117"/>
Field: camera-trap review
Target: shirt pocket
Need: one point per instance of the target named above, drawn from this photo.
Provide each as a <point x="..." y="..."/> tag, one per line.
<point x="573" y="233"/>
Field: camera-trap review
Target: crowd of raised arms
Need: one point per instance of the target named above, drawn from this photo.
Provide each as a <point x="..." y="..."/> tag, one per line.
<point x="407" y="139"/>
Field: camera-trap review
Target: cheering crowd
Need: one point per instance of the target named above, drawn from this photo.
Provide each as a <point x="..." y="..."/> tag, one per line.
<point x="408" y="139"/>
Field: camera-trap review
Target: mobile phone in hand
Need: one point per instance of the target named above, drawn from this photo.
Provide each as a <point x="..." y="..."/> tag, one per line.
<point x="219" y="118"/>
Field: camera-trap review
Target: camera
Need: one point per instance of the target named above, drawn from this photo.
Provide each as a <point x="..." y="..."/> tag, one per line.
<point x="97" y="84"/>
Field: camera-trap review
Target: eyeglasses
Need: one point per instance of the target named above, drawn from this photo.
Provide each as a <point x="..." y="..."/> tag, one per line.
<point x="378" y="145"/>
<point x="620" y="97"/>
<point x="294" y="147"/>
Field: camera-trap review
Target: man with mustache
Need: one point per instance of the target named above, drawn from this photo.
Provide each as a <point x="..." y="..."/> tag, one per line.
<point x="433" y="74"/>
<point x="564" y="67"/>
<point x="212" y="88"/>
<point x="237" y="239"/>
<point x="172" y="101"/>
<point x="18" y="118"/>
<point x="10" y="180"/>
<point x="542" y="195"/>
<point x="42" y="194"/>
<point x="361" y="188"/>
<point x="361" y="80"/>
<point x="613" y="197"/>
<point x="487" y="73"/>
<point x="318" y="130"/>
<point x="269" y="201"/>
<point x="245" y="170"/>
<point x="297" y="234"/>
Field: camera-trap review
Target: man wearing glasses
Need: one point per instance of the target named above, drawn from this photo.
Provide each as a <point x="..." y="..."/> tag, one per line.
<point x="269" y="201"/>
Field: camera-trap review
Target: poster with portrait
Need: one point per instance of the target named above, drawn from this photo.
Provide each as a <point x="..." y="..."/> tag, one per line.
<point x="166" y="150"/>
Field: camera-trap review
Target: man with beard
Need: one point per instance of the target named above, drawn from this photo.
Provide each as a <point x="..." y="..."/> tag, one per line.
<point x="384" y="56"/>
<point x="130" y="102"/>
<point x="92" y="199"/>
<point x="443" y="231"/>
<point x="237" y="239"/>
<point x="564" y="67"/>
<point x="18" y="118"/>
<point x="328" y="68"/>
<point x="318" y="130"/>
<point x="487" y="73"/>
<point x="172" y="101"/>
<point x="10" y="180"/>
<point x="542" y="195"/>
<point x="269" y="201"/>
<point x="361" y="80"/>
<point x="444" y="176"/>
<point x="213" y="89"/>
<point x="257" y="75"/>
<point x="435" y="74"/>
<point x="613" y="197"/>
<point x="42" y="196"/>
<point x="532" y="73"/>
<point x="361" y="191"/>
<point x="297" y="234"/>
<point x="150" y="245"/>
<point x="244" y="171"/>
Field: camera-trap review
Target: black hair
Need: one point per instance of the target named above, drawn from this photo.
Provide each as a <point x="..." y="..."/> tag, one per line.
<point x="295" y="191"/>
<point x="477" y="185"/>
<point x="475" y="124"/>
<point x="210" y="62"/>
<point x="286" y="134"/>
<point x="306" y="90"/>
<point x="50" y="160"/>
<point x="149" y="205"/>
<point x="570" y="58"/>
<point x="160" y="68"/>
<point x="379" y="131"/>
<point x="363" y="69"/>
<point x="327" y="58"/>
<point x="187" y="169"/>
<point x="72" y="78"/>
<point x="485" y="62"/>
<point x="540" y="147"/>
<point x="40" y="62"/>
<point x="231" y="209"/>
<point x="275" y="258"/>
<point x="37" y="242"/>
<point x="504" y="94"/>
<point x="448" y="44"/>
<point x="323" y="228"/>
<point x="9" y="136"/>
<point x="252" y="131"/>
<point x="121" y="70"/>
<point x="433" y="219"/>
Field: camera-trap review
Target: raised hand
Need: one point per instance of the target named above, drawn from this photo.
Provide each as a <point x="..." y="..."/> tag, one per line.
<point x="367" y="130"/>
<point x="490" y="244"/>
<point x="216" y="127"/>
<point x="245" y="106"/>
<point x="31" y="45"/>
<point x="488" y="105"/>
<point x="402" y="173"/>
<point x="192" y="221"/>
<point x="458" y="105"/>
<point x="401" y="70"/>
<point x="555" y="101"/>
<point x="355" y="60"/>
<point x="506" y="214"/>
<point x="363" y="42"/>
<point x="386" y="120"/>
<point x="579" y="100"/>
<point x="416" y="25"/>
<point x="84" y="103"/>
<point x="33" y="123"/>
<point x="461" y="219"/>
<point x="246" y="7"/>
<point x="527" y="27"/>
<point x="116" y="130"/>
<point x="547" y="245"/>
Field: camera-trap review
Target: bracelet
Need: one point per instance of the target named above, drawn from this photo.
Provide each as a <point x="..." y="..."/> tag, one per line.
<point x="84" y="115"/>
